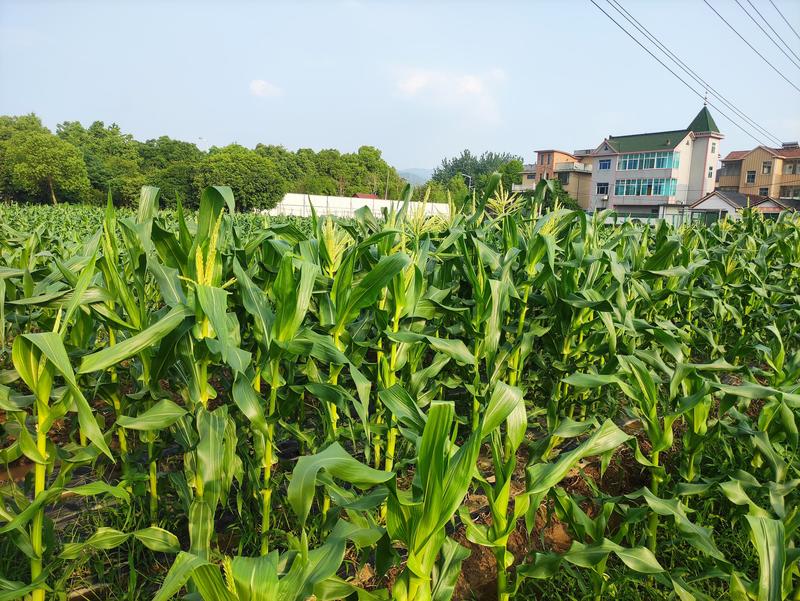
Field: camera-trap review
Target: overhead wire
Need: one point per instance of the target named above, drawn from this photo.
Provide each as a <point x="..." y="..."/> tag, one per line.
<point x="643" y="29"/>
<point x="683" y="81"/>
<point x="785" y="20"/>
<point x="753" y="48"/>
<point x="764" y="31"/>
<point x="763" y="18"/>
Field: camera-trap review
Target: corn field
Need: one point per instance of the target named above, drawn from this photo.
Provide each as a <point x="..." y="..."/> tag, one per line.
<point x="507" y="404"/>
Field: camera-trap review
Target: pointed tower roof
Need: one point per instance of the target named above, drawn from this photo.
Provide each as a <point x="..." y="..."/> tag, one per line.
<point x="703" y="123"/>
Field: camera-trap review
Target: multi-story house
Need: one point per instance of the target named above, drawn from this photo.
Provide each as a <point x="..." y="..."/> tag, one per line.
<point x="763" y="171"/>
<point x="655" y="174"/>
<point x="575" y="175"/>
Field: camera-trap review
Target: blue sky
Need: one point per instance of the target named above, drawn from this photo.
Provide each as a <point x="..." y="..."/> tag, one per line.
<point x="420" y="80"/>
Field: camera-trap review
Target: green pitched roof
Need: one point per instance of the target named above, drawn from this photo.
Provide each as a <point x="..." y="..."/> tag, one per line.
<point x="661" y="140"/>
<point x="703" y="122"/>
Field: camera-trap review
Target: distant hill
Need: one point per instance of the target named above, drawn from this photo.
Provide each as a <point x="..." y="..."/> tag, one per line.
<point x="416" y="176"/>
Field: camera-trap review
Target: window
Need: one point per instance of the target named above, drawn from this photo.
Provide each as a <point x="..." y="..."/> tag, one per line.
<point x="751" y="177"/>
<point x="648" y="160"/>
<point x="710" y="171"/>
<point x="731" y="168"/>
<point x="660" y="186"/>
<point x="713" y="148"/>
<point x="530" y="176"/>
<point x="788" y="168"/>
<point x="766" y="167"/>
<point x="564" y="178"/>
<point x="604" y="164"/>
<point x="763" y="191"/>
<point x="627" y="162"/>
<point x="789" y="192"/>
<point x="601" y="188"/>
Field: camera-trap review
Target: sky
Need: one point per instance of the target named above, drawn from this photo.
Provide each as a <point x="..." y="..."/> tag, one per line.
<point x="419" y="80"/>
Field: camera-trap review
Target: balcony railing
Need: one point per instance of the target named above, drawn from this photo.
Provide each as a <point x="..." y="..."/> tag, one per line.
<point x="568" y="166"/>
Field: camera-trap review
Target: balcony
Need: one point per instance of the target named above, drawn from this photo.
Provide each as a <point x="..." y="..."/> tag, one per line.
<point x="525" y="186"/>
<point x="568" y="166"/>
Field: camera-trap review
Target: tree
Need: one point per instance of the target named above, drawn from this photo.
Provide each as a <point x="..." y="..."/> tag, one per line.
<point x="176" y="180"/>
<point x="10" y="125"/>
<point x="164" y="151"/>
<point x="112" y="159"/>
<point x="552" y="192"/>
<point x="479" y="168"/>
<point x="43" y="166"/>
<point x="172" y="166"/>
<point x="254" y="179"/>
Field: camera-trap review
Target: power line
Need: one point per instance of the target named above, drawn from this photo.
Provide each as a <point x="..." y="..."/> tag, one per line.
<point x="763" y="18"/>
<point x="683" y="81"/>
<point x="764" y="31"/>
<point x="774" y="68"/>
<point x="785" y="20"/>
<point x="636" y="23"/>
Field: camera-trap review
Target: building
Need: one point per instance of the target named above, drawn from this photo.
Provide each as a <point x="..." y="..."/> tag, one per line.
<point x="763" y="171"/>
<point x="575" y="175"/>
<point x="655" y="174"/>
<point x="725" y="203"/>
<point x="730" y="203"/>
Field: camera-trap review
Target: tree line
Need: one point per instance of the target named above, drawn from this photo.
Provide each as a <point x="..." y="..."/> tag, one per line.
<point x="83" y="164"/>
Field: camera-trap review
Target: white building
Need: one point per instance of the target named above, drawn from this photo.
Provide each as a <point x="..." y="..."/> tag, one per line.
<point x="655" y="174"/>
<point x="297" y="204"/>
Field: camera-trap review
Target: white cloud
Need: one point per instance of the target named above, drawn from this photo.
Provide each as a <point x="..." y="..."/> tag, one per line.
<point x="471" y="93"/>
<point x="265" y="89"/>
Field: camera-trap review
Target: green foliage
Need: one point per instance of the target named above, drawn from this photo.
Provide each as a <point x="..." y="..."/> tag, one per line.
<point x="267" y="409"/>
<point x="114" y="161"/>
<point x="253" y="178"/>
<point x="479" y="168"/>
<point x="40" y="167"/>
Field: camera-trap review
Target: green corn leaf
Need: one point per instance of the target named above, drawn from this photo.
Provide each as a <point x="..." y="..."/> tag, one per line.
<point x="338" y="464"/>
<point x="768" y="538"/>
<point x="448" y="570"/>
<point x="249" y="403"/>
<point x="543" y="476"/>
<point x="157" y="539"/>
<point x="103" y="538"/>
<point x="370" y="287"/>
<point x="403" y="407"/>
<point x="129" y="347"/>
<point x="161" y="415"/>
<point x="51" y="346"/>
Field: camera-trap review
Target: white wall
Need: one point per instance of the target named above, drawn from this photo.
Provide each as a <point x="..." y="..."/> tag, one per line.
<point x="699" y="184"/>
<point x="344" y="206"/>
<point x="684" y="173"/>
<point x="599" y="176"/>
<point x="715" y="203"/>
